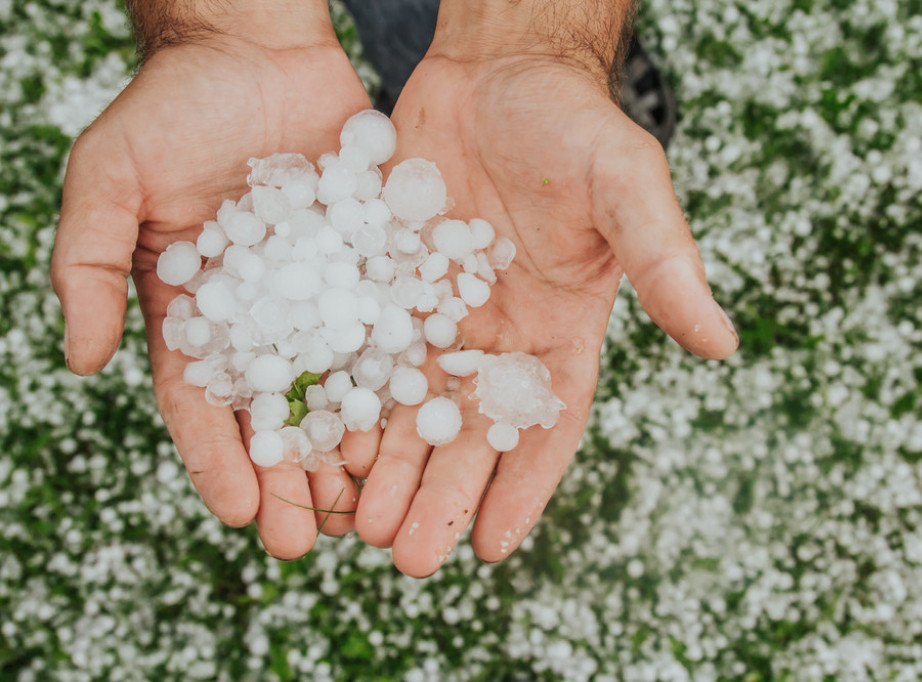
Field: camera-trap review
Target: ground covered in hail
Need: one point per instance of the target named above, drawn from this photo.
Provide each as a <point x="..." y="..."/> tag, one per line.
<point x="757" y="519"/>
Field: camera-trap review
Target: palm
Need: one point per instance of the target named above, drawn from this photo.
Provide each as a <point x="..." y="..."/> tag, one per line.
<point x="529" y="146"/>
<point x="164" y="155"/>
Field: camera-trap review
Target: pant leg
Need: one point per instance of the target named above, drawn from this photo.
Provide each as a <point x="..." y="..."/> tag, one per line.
<point x="395" y="35"/>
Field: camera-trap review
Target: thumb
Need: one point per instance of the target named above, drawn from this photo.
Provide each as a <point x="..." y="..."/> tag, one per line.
<point x="96" y="237"/>
<point x="636" y="210"/>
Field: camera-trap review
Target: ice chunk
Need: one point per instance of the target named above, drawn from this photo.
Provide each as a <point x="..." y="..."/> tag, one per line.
<point x="316" y="397"/>
<point x="372" y="132"/>
<point x="415" y="190"/>
<point x="270" y="204"/>
<point x="502" y="437"/>
<point x="318" y="357"/>
<point x="406" y="241"/>
<point x="220" y="390"/>
<point x="452" y="238"/>
<point x="324" y="429"/>
<point x="272" y="319"/>
<point x="406" y="291"/>
<point x="201" y="372"/>
<point x="408" y="386"/>
<point x="346" y="340"/>
<point x="453" y="308"/>
<point x="370" y="240"/>
<point x="501" y="253"/>
<point x="173" y="334"/>
<point x="435" y="267"/>
<point x="355" y="158"/>
<point x="440" y="330"/>
<point x="269" y="373"/>
<point x="211" y="242"/>
<point x="461" y="363"/>
<point x="244" y="228"/>
<point x="346" y="217"/>
<point x="482" y="233"/>
<point x="267" y="448"/>
<point x="300" y="193"/>
<point x="372" y="368"/>
<point x="279" y="169"/>
<point x="361" y="409"/>
<point x="438" y="421"/>
<point x="336" y="183"/>
<point x="415" y="354"/>
<point x="182" y="308"/>
<point x="368" y="185"/>
<point x="179" y="263"/>
<point x="473" y="291"/>
<point x="216" y="301"/>
<point x="380" y="268"/>
<point x="515" y="388"/>
<point x="393" y="331"/>
<point x="296" y="445"/>
<point x="339" y="308"/>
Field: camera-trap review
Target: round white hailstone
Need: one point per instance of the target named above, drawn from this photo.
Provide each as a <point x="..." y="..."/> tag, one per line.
<point x="182" y="308"/>
<point x="369" y="310"/>
<point x="368" y="185"/>
<point x="361" y="409"/>
<point x="440" y="331"/>
<point x="318" y="357"/>
<point x="393" y="331"/>
<point x="316" y="397"/>
<point x="304" y="222"/>
<point x="328" y="159"/>
<point x="300" y="194"/>
<point x="372" y="132"/>
<point x="283" y="229"/>
<point x="408" y="386"/>
<point x="346" y="340"/>
<point x="341" y="275"/>
<point x="406" y="291"/>
<point x="474" y="291"/>
<point x="376" y="212"/>
<point x="370" y="241"/>
<point x="482" y="233"/>
<point x="268" y="411"/>
<point x="354" y="158"/>
<point x="415" y="190"/>
<point x="211" y="242"/>
<point x="324" y="429"/>
<point x="247" y="291"/>
<point x="339" y="308"/>
<point x="373" y="368"/>
<point x="501" y="253"/>
<point x="435" y="267"/>
<point x="470" y="264"/>
<point x="269" y="373"/>
<point x="336" y="183"/>
<point x="328" y="240"/>
<point x="241" y="338"/>
<point x="278" y="248"/>
<point x="346" y="216"/>
<point x="380" y="268"/>
<point x="407" y="241"/>
<point x="240" y="360"/>
<point x="216" y="301"/>
<point x="452" y="238"/>
<point x="415" y="354"/>
<point x="244" y="228"/>
<point x="337" y="385"/>
<point x="267" y="448"/>
<point x="297" y="281"/>
<point x="453" y="308"/>
<point x="179" y="263"/>
<point x="297" y="445"/>
<point x="200" y="373"/>
<point x="502" y="437"/>
<point x="461" y="363"/>
<point x="438" y="421"/>
<point x="305" y="249"/>
<point x="197" y="331"/>
<point x="271" y="318"/>
<point x="251" y="267"/>
<point x="270" y="204"/>
<point x="304" y="315"/>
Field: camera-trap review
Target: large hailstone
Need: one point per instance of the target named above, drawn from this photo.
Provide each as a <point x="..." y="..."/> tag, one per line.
<point x="515" y="389"/>
<point x="415" y="190"/>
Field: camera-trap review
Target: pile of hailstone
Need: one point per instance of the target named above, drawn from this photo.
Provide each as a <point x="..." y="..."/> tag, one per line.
<point x="321" y="293"/>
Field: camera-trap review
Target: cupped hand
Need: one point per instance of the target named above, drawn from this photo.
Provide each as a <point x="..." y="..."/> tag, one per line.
<point x="536" y="147"/>
<point x="149" y="171"/>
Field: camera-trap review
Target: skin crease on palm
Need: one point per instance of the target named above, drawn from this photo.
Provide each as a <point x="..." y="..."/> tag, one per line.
<point x="537" y="148"/>
<point x="534" y="146"/>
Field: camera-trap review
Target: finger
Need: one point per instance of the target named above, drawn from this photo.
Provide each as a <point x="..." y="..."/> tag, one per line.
<point x="96" y="236"/>
<point x="207" y="437"/>
<point x="359" y="449"/>
<point x="452" y="486"/>
<point x="635" y="208"/>
<point x="334" y="490"/>
<point x="394" y="479"/>
<point x="287" y="530"/>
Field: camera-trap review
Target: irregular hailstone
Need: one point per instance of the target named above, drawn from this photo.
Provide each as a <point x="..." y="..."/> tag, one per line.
<point x="415" y="190"/>
<point x="438" y="421"/>
<point x="515" y="388"/>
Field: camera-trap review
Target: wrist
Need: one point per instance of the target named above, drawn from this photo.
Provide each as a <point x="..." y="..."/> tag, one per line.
<point x="585" y="34"/>
<point x="273" y="24"/>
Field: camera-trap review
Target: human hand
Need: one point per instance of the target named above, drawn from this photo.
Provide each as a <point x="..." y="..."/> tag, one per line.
<point x="532" y="143"/>
<point x="149" y="171"/>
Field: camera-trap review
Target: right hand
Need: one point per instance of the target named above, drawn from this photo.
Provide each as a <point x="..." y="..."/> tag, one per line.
<point x="149" y="171"/>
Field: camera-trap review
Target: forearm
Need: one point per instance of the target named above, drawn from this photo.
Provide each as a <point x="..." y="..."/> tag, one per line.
<point x="274" y="23"/>
<point x="585" y="31"/>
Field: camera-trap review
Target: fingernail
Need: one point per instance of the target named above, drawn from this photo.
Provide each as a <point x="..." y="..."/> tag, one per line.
<point x="728" y="323"/>
<point x="66" y="345"/>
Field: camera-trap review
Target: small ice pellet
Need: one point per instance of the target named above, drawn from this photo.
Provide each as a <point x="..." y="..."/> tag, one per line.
<point x="347" y="339"/>
<point x="339" y="308"/>
<point x="482" y="233"/>
<point x="372" y="368"/>
<point x="452" y="238"/>
<point x="438" y="421"/>
<point x="376" y="212"/>
<point x="278" y="248"/>
<point x="251" y="267"/>
<point x="300" y="194"/>
<point x="361" y="409"/>
<point x="354" y="158"/>
<point x="244" y="228"/>
<point x="270" y="204"/>
<point x="304" y="314"/>
<point x="216" y="301"/>
<point x="415" y="190"/>
<point x="279" y="169"/>
<point x="297" y="282"/>
<point x="393" y="331"/>
<point x="269" y="373"/>
<point x="370" y="241"/>
<point x="179" y="263"/>
<point x="502" y="437"/>
<point x="267" y="448"/>
<point x="173" y="334"/>
<point x="346" y="216"/>
<point x="211" y="242"/>
<point x="372" y="132"/>
<point x="341" y="275"/>
<point x="369" y="310"/>
<point x="440" y="331"/>
<point x="380" y="268"/>
<point x="435" y="267"/>
<point x="461" y="363"/>
<point x="406" y="291"/>
<point x="297" y="445"/>
<point x="473" y="291"/>
<point x="200" y="373"/>
<point x="324" y="429"/>
<point x="502" y="253"/>
<point x="240" y="360"/>
<point x="268" y="411"/>
<point x="318" y="358"/>
<point x="316" y="397"/>
<point x="367" y="185"/>
<point x="406" y="241"/>
<point x="453" y="308"/>
<point x="329" y="240"/>
<point x="197" y="331"/>
<point x="337" y="385"/>
<point x="415" y="354"/>
<point x="336" y="183"/>
<point x="408" y="386"/>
